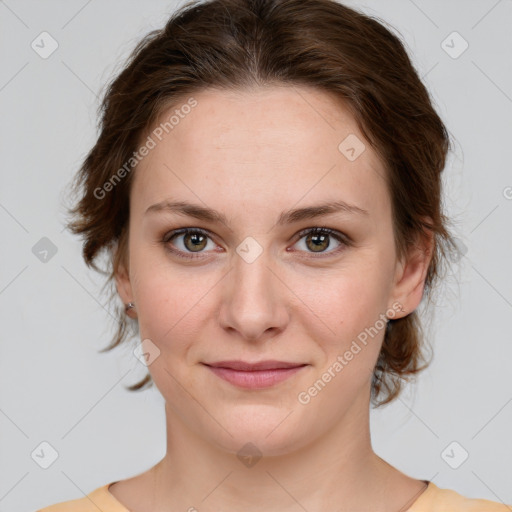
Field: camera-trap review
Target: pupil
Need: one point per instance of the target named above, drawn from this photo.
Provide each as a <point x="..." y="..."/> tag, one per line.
<point x="319" y="242"/>
<point x="196" y="241"/>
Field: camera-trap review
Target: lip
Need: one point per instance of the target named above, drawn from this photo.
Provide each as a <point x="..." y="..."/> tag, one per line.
<point x="249" y="367"/>
<point x="259" y="375"/>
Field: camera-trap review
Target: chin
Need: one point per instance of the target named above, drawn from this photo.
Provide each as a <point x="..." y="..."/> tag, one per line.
<point x="264" y="430"/>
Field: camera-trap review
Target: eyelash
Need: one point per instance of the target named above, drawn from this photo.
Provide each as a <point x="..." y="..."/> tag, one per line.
<point x="340" y="237"/>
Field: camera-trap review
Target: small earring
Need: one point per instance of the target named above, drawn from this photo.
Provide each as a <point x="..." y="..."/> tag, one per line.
<point x="128" y="306"/>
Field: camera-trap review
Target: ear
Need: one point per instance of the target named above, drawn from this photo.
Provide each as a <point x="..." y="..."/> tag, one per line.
<point x="411" y="272"/>
<point x="122" y="279"/>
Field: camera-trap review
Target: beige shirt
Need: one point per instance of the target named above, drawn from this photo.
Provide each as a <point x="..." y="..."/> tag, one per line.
<point x="433" y="499"/>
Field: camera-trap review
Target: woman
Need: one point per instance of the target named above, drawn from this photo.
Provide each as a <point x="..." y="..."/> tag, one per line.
<point x="267" y="182"/>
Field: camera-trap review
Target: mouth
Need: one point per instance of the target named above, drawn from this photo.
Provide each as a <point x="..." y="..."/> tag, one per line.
<point x="257" y="375"/>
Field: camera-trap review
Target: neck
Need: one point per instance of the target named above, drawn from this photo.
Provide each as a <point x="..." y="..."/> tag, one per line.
<point x="337" y="470"/>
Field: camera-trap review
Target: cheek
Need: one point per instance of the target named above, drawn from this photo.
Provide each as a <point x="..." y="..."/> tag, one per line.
<point x="349" y="337"/>
<point x="171" y="303"/>
<point x="342" y="315"/>
<point x="343" y="303"/>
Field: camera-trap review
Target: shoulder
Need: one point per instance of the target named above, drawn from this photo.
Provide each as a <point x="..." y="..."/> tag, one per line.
<point x="98" y="499"/>
<point x="435" y="499"/>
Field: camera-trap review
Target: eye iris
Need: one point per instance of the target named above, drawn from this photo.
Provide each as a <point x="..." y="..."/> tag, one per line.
<point x="319" y="241"/>
<point x="198" y="241"/>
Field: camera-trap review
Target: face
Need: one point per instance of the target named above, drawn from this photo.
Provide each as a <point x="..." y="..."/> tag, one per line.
<point x="253" y="266"/>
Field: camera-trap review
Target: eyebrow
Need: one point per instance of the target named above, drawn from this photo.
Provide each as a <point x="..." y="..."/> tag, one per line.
<point x="287" y="217"/>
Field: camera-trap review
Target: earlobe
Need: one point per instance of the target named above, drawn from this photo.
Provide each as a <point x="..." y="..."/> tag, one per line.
<point x="124" y="290"/>
<point x="122" y="275"/>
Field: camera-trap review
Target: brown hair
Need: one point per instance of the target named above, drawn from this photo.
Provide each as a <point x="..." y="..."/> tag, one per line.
<point x="244" y="43"/>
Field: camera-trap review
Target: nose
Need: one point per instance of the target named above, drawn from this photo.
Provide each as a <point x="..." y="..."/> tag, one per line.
<point x="254" y="300"/>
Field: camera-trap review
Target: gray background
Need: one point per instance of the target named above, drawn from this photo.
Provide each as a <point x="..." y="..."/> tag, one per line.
<point x="56" y="387"/>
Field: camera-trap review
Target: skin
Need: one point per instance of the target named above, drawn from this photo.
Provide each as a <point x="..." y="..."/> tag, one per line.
<point x="251" y="155"/>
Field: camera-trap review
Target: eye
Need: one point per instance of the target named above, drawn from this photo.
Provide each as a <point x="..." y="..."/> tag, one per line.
<point x="192" y="243"/>
<point x="318" y="240"/>
<point x="189" y="241"/>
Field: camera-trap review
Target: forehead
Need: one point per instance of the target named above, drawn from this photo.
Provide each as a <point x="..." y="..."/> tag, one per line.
<point x="274" y="143"/>
<point x="262" y="117"/>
